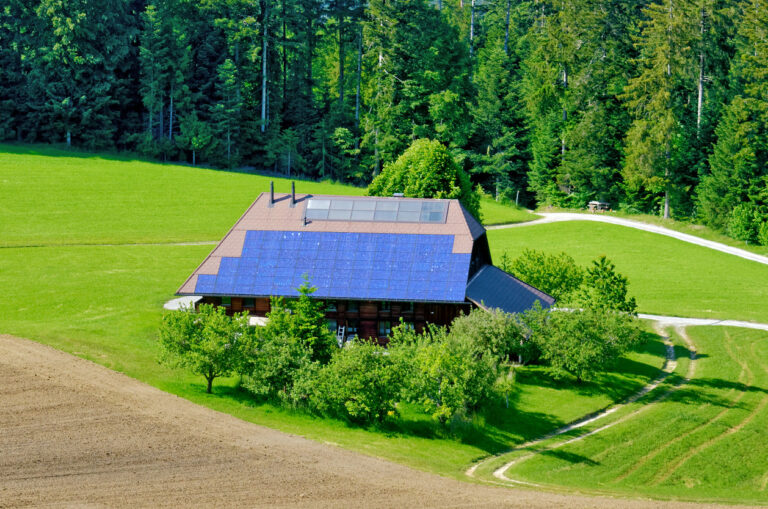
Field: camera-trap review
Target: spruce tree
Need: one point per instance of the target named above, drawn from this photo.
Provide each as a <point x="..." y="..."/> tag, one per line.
<point x="656" y="101"/>
<point x="739" y="162"/>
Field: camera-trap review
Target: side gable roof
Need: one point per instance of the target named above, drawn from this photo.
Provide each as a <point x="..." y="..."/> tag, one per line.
<point x="492" y="288"/>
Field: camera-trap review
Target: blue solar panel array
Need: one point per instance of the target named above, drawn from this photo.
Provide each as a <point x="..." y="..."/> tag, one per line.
<point x="373" y="266"/>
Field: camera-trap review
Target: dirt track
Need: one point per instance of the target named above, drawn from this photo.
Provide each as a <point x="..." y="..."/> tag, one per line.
<point x="75" y="433"/>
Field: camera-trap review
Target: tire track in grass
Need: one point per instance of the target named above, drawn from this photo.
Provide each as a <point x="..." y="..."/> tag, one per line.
<point x="670" y="363"/>
<point x="651" y="455"/>
<point x="733" y="429"/>
<point x="667" y="369"/>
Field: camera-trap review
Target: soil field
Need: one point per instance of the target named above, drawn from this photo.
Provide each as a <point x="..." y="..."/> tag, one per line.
<point x="73" y="433"/>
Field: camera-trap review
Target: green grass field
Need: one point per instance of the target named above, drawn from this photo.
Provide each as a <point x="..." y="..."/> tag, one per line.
<point x="704" y="441"/>
<point x="104" y="302"/>
<point x="682" y="226"/>
<point x="667" y="276"/>
<point x="55" y="197"/>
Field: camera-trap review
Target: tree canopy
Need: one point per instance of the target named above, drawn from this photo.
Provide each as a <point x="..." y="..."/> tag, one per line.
<point x="426" y="170"/>
<point x="656" y="106"/>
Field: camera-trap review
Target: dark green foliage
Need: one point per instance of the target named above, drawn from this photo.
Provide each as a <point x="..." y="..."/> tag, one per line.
<point x="207" y="342"/>
<point x="744" y="222"/>
<point x="426" y="170"/>
<point x="418" y="84"/>
<point x="585" y="342"/>
<point x="738" y="165"/>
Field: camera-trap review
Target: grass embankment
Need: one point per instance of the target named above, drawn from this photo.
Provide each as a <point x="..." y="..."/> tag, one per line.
<point x="679" y="225"/>
<point x="704" y="441"/>
<point x="667" y="276"/>
<point x="58" y="197"/>
<point x="104" y="303"/>
<point x="501" y="213"/>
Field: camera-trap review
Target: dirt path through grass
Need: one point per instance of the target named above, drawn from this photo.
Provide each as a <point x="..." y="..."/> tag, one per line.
<point x="535" y="446"/>
<point x="75" y="433"/>
<point x="670" y="363"/>
<point x="553" y="217"/>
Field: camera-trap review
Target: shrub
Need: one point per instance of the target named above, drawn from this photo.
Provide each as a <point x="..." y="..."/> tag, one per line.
<point x="494" y="331"/>
<point x="584" y="343"/>
<point x="280" y="359"/>
<point x="762" y="234"/>
<point x="557" y="275"/>
<point x="605" y="288"/>
<point x="360" y="383"/>
<point x="449" y="378"/>
<point x="743" y="222"/>
<point x="309" y="325"/>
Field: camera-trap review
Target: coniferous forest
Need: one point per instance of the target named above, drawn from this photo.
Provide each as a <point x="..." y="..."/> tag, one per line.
<point x="656" y="107"/>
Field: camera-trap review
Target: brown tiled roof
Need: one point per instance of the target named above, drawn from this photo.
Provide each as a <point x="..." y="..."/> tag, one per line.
<point x="282" y="217"/>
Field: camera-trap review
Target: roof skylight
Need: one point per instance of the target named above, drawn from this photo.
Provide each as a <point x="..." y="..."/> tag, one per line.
<point x="388" y="210"/>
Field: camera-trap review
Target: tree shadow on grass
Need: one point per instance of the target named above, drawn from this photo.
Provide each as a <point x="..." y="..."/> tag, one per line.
<point x="569" y="457"/>
<point x="701" y="391"/>
<point x="488" y="430"/>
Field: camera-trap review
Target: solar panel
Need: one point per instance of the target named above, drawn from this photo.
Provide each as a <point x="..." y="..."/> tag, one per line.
<point x="372" y="209"/>
<point x="373" y="266"/>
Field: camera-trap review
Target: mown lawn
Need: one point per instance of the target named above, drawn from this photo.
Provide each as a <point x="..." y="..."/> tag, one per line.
<point x="705" y="441"/>
<point x="502" y="213"/>
<point x="667" y="276"/>
<point x="682" y="226"/>
<point x="104" y="303"/>
<point x="54" y="197"/>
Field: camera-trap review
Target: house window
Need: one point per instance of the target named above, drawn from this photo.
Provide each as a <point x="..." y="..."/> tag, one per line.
<point x="333" y="326"/>
<point x="408" y="307"/>
<point x="385" y="306"/>
<point x="385" y="328"/>
<point x="226" y="301"/>
<point x="351" y="331"/>
<point x="353" y="306"/>
<point x="248" y="303"/>
<point x="330" y="305"/>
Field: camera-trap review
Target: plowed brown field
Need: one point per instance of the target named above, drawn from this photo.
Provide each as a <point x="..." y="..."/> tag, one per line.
<point x="73" y="433"/>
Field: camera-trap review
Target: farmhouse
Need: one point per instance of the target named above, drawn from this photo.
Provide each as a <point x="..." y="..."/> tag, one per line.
<point x="373" y="261"/>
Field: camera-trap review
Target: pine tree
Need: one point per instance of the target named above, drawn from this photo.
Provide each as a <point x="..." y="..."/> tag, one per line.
<point x="655" y="99"/>
<point x="499" y="131"/>
<point x="72" y="77"/>
<point x="225" y="114"/>
<point x="739" y="162"/>
<point x="417" y="78"/>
